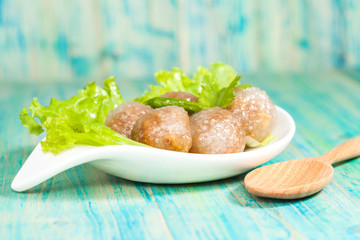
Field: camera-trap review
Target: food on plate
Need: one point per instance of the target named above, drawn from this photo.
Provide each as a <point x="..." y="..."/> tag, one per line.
<point x="255" y="111"/>
<point x="215" y="131"/>
<point x="181" y="95"/>
<point x="77" y="120"/>
<point x="122" y="119"/>
<point x="225" y="115"/>
<point x="166" y="128"/>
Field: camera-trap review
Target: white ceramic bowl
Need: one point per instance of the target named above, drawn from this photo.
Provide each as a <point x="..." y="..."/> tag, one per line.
<point x="152" y="165"/>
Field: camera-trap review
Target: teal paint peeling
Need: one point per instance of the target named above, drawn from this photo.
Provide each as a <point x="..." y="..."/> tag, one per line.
<point x="21" y="41"/>
<point x="62" y="47"/>
<point x="1" y="12"/>
<point x="151" y="30"/>
<point x="126" y="7"/>
<point x="80" y="65"/>
<point x="239" y="26"/>
<point x="303" y="43"/>
<point x="109" y="51"/>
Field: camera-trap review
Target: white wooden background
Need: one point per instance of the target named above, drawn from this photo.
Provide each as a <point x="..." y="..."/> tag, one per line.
<point x="65" y="39"/>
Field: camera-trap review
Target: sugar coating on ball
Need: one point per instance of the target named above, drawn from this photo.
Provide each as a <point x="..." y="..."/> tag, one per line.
<point x="123" y="117"/>
<point x="216" y="131"/>
<point x="181" y="95"/>
<point x="255" y="110"/>
<point x="165" y="128"/>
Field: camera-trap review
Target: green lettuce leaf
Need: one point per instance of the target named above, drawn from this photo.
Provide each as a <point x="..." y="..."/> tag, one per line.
<point x="213" y="86"/>
<point x="168" y="81"/>
<point x="207" y="87"/>
<point x="252" y="142"/>
<point x="30" y="123"/>
<point x="175" y="79"/>
<point x="222" y="73"/>
<point x="217" y="85"/>
<point x="226" y="95"/>
<point x="78" y="120"/>
<point x="155" y="91"/>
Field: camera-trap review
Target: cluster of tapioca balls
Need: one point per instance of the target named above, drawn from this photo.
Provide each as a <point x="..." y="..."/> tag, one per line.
<point x="211" y="131"/>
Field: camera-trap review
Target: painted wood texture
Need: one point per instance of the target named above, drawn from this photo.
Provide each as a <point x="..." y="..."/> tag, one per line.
<point x="83" y="203"/>
<point x="67" y="40"/>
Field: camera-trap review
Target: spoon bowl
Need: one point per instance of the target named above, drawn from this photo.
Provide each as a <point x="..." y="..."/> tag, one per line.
<point x="313" y="176"/>
<point x="152" y="165"/>
<point x="299" y="178"/>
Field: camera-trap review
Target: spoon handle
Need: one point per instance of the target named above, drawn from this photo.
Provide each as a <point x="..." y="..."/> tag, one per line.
<point x="342" y="152"/>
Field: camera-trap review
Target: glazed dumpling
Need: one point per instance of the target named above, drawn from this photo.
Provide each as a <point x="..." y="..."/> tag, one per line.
<point x="123" y="117"/>
<point x="215" y="131"/>
<point x="166" y="128"/>
<point x="255" y="111"/>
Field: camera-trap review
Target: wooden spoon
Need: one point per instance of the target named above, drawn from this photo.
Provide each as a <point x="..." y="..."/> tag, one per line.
<point x="299" y="178"/>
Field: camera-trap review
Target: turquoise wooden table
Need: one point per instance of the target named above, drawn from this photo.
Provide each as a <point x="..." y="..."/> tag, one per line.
<point x="83" y="203"/>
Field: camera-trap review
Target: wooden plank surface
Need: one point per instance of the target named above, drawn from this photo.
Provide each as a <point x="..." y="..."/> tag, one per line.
<point x="84" y="203"/>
